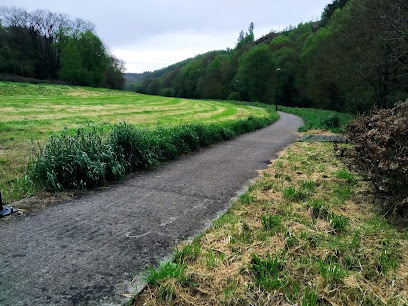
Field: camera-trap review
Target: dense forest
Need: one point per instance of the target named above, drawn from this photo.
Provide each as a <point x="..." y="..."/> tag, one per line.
<point x="354" y="58"/>
<point x="48" y="46"/>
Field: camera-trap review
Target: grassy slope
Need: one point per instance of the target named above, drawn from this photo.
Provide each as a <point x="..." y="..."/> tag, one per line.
<point x="30" y="113"/>
<point x="318" y="118"/>
<point x="307" y="232"/>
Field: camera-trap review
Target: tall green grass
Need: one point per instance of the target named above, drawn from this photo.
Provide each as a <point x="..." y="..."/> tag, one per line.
<point x="85" y="159"/>
<point x="319" y="118"/>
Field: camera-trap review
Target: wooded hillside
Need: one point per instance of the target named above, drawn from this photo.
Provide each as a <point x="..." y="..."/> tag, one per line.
<point x="354" y="58"/>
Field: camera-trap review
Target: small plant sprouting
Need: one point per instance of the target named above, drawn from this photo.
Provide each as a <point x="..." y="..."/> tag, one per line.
<point x="331" y="273"/>
<point x="342" y="192"/>
<point x="290" y="193"/>
<point x="165" y="270"/>
<point x="319" y="209"/>
<point x="338" y="222"/>
<point x="228" y="217"/>
<point x="309" y="297"/>
<point x="355" y="241"/>
<point x="246" y="234"/>
<point x="212" y="260"/>
<point x="187" y="252"/>
<point x="308" y="186"/>
<point x="230" y="287"/>
<point x="346" y="175"/>
<point x="291" y="239"/>
<point x="270" y="221"/>
<point x="167" y="294"/>
<point x="246" y="198"/>
<point x="267" y="271"/>
<point x="386" y="261"/>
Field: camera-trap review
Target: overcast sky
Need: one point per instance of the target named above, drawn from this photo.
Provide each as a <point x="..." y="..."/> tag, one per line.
<point x="152" y="34"/>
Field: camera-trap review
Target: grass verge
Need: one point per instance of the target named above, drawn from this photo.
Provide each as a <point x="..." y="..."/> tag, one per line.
<point x="307" y="232"/>
<point x="319" y="118"/>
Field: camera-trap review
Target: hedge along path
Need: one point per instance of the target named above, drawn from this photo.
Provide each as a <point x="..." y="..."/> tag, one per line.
<point x="31" y="113"/>
<point x="84" y="160"/>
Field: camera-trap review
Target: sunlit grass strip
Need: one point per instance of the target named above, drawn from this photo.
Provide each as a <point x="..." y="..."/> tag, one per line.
<point x="328" y="246"/>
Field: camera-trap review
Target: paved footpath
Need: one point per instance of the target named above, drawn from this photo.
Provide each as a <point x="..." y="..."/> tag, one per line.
<point x="87" y="251"/>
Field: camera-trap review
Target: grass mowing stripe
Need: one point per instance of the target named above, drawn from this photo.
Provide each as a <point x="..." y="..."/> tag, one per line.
<point x="30" y="113"/>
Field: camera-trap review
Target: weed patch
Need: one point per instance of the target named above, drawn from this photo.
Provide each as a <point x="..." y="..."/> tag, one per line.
<point x="268" y="270"/>
<point x="166" y="270"/>
<point x="270" y="222"/>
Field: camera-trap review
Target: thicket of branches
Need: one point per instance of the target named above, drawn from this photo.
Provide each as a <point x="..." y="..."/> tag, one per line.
<point x="354" y="58"/>
<point x="381" y="151"/>
<point x="44" y="45"/>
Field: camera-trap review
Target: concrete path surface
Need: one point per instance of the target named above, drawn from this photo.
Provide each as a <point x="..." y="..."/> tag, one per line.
<point x="86" y="251"/>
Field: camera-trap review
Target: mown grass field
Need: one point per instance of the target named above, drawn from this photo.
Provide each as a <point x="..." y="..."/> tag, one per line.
<point x="307" y="232"/>
<point x="31" y="113"/>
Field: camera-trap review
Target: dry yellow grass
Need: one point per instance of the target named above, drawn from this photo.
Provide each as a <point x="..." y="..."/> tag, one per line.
<point x="362" y="262"/>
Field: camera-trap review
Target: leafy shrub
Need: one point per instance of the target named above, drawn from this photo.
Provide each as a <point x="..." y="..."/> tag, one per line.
<point x="167" y="92"/>
<point x="135" y="145"/>
<point x="330" y="122"/>
<point x="234" y="96"/>
<point x="80" y="160"/>
<point x="381" y="151"/>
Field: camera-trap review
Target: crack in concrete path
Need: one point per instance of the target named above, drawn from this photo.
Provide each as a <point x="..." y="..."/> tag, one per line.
<point x="87" y="251"/>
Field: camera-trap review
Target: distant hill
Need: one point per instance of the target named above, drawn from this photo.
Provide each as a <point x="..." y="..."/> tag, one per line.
<point x="132" y="77"/>
<point x="352" y="59"/>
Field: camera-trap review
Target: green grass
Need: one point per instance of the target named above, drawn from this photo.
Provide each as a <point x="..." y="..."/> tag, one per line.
<point x="186" y="253"/>
<point x="31" y="113"/>
<point x="268" y="270"/>
<point x="165" y="270"/>
<point x="270" y="221"/>
<point x="319" y="119"/>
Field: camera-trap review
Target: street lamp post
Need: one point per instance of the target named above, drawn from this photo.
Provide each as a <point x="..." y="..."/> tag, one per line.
<point x="277" y="88"/>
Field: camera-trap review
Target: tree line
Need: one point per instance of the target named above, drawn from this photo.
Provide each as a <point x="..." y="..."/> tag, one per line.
<point x="49" y="46"/>
<point x="354" y="58"/>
